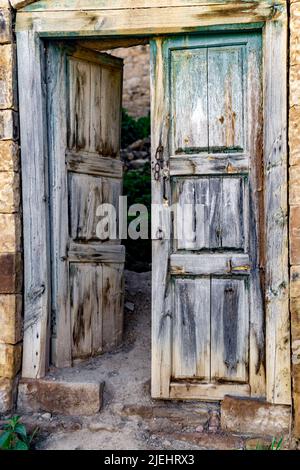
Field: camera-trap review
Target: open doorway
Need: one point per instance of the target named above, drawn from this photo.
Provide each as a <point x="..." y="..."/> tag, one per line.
<point x="136" y="145"/>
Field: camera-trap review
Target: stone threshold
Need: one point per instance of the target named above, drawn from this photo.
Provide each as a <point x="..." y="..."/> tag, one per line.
<point x="60" y="397"/>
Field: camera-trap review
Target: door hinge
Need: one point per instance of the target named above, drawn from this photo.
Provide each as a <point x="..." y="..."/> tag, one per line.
<point x="159" y="162"/>
<point x="161" y="170"/>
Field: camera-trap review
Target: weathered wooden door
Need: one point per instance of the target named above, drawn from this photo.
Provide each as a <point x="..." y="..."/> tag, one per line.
<point x="84" y="92"/>
<point x="208" y="316"/>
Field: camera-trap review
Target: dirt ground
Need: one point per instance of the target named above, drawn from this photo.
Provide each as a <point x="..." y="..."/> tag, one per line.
<point x="130" y="419"/>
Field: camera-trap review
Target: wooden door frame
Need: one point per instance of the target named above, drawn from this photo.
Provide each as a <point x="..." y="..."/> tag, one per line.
<point x="34" y="25"/>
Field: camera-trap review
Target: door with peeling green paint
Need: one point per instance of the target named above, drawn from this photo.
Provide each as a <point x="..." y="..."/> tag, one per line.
<point x="208" y="314"/>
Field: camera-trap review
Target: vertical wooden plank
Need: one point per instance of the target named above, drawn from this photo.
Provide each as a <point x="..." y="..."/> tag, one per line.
<point x="275" y="164"/>
<point x="184" y="196"/>
<point x="87" y="308"/>
<point x="35" y="205"/>
<point x="189" y="100"/>
<point x="79" y="83"/>
<point x="111" y="191"/>
<point x="57" y="105"/>
<point x="215" y="217"/>
<point x="112" y="307"/>
<point x="225" y="98"/>
<point x="254" y="216"/>
<point x="202" y="201"/>
<point x="111" y="92"/>
<point x="232" y="213"/>
<point x="95" y="113"/>
<point x="229" y="330"/>
<point x="81" y="306"/>
<point x="161" y="247"/>
<point x="191" y="329"/>
<point x="96" y="291"/>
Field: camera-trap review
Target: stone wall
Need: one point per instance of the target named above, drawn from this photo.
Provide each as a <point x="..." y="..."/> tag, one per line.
<point x="10" y="222"/>
<point x="136" y="85"/>
<point x="294" y="199"/>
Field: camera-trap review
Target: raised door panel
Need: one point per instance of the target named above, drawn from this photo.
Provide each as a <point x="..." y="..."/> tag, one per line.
<point x="189" y="101"/>
<point x="86" y="194"/>
<point x="226" y="98"/>
<point x="95" y="91"/>
<point x="234" y="207"/>
<point x="191" y="329"/>
<point x="229" y="329"/>
<point x="210" y="212"/>
<point x="96" y="305"/>
<point x="85" y="308"/>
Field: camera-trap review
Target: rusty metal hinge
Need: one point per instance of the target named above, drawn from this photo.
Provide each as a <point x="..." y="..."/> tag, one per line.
<point x="161" y="169"/>
<point x="159" y="162"/>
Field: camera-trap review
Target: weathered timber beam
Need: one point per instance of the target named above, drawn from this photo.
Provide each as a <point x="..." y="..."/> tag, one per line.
<point x="144" y="21"/>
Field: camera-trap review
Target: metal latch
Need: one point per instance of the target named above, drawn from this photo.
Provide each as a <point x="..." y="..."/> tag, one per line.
<point x="232" y="269"/>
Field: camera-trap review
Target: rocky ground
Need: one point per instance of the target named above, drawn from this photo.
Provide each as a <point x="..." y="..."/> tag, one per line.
<point x="137" y="154"/>
<point x="130" y="419"/>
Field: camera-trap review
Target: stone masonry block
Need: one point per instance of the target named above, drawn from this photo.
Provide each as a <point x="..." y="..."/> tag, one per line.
<point x="295" y="318"/>
<point x="5" y="26"/>
<point x="295" y="282"/>
<point x="294" y="135"/>
<point x="296" y="430"/>
<point x="7" y="76"/>
<point x="294" y="185"/>
<point x="295" y="33"/>
<point x="68" y="398"/>
<point x="10" y="230"/>
<point x="9" y="155"/>
<point x="295" y="235"/>
<point x="11" y="273"/>
<point x="7" y="394"/>
<point x="9" y="192"/>
<point x="295" y="85"/>
<point x="9" y="125"/>
<point x="10" y="360"/>
<point x="10" y="318"/>
<point x="248" y="416"/>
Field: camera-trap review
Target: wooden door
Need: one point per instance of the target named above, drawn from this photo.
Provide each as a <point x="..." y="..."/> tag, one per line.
<point x="84" y="92"/>
<point x="208" y="314"/>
